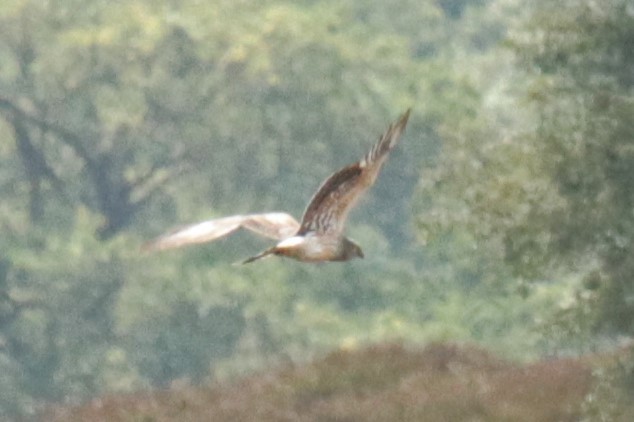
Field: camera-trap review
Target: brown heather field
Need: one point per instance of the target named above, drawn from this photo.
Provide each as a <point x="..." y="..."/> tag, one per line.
<point x="381" y="383"/>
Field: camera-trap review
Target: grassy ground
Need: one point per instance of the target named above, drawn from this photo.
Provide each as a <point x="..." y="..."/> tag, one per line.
<point x="380" y="383"/>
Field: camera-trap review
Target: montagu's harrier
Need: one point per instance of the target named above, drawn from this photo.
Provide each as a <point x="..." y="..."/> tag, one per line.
<point x="319" y="237"/>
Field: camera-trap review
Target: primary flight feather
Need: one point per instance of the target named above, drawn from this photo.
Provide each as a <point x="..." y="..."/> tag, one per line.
<point x="319" y="237"/>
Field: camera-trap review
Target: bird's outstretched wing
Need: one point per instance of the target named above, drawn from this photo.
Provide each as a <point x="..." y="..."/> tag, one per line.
<point x="328" y="209"/>
<point x="275" y="225"/>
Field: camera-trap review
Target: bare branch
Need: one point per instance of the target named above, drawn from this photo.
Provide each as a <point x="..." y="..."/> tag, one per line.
<point x="66" y="136"/>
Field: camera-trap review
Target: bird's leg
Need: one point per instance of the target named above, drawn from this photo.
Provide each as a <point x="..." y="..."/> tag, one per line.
<point x="261" y="255"/>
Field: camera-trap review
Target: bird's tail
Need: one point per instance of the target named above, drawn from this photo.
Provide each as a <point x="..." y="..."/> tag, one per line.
<point x="261" y="255"/>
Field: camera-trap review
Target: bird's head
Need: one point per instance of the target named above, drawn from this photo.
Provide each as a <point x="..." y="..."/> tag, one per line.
<point x="351" y="249"/>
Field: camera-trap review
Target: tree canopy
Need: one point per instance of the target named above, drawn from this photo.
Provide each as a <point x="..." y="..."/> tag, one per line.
<point x="502" y="218"/>
<point x="551" y="192"/>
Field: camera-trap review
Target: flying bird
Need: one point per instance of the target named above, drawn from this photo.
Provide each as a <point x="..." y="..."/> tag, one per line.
<point x="319" y="237"/>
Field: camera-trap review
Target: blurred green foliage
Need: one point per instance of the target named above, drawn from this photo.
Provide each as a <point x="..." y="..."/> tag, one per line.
<point x="547" y="185"/>
<point x="119" y="120"/>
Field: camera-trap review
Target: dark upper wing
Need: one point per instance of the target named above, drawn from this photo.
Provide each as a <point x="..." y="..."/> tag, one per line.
<point x="329" y="207"/>
<point x="276" y="225"/>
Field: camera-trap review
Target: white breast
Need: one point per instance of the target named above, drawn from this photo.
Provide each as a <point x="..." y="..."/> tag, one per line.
<point x="305" y="248"/>
<point x="292" y="242"/>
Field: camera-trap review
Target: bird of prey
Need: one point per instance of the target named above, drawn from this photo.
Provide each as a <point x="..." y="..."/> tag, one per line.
<point x="319" y="237"/>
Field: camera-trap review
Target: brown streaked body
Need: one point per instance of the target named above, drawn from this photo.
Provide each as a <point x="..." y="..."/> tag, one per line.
<point x="319" y="237"/>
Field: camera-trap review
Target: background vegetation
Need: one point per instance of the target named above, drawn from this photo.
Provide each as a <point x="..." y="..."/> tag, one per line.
<point x="504" y="218"/>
